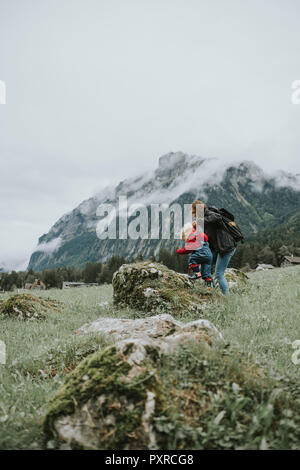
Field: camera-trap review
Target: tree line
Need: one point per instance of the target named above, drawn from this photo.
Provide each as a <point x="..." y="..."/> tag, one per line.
<point x="246" y="257"/>
<point x="99" y="273"/>
<point x="249" y="255"/>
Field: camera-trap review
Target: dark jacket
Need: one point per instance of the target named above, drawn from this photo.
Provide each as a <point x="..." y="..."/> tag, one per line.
<point x="220" y="240"/>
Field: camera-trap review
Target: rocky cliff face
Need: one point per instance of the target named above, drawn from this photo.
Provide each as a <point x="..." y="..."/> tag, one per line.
<point x="257" y="200"/>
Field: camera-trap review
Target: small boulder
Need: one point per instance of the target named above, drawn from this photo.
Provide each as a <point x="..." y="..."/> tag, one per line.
<point x="235" y="277"/>
<point x="28" y="307"/>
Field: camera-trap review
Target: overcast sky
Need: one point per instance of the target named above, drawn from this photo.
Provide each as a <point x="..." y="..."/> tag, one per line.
<point x="98" y="89"/>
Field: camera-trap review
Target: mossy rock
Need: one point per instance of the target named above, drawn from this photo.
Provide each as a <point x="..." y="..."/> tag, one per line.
<point x="235" y="277"/>
<point x="152" y="287"/>
<point x="28" y="307"/>
<point x="114" y="397"/>
<point x="155" y="328"/>
<point x="131" y="397"/>
<point x="108" y="401"/>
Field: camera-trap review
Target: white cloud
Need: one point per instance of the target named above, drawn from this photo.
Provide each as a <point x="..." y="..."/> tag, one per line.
<point x="50" y="247"/>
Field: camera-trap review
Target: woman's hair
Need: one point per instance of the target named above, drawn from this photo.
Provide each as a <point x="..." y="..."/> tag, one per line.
<point x="194" y="205"/>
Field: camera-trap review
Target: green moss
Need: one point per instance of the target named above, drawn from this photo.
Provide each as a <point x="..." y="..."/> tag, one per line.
<point x="170" y="291"/>
<point x="28" y="306"/>
<point x="105" y="373"/>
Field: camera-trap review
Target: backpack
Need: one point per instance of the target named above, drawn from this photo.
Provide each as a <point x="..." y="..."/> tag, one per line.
<point x="233" y="229"/>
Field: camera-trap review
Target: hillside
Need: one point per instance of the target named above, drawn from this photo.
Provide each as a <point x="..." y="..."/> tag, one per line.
<point x="287" y="231"/>
<point x="259" y="201"/>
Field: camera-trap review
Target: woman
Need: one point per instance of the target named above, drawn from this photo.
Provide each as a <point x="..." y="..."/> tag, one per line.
<point x="221" y="242"/>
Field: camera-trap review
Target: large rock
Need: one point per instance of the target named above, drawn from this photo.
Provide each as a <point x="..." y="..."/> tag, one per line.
<point x="112" y="398"/>
<point x="108" y="401"/>
<point x="152" y="287"/>
<point x="157" y="328"/>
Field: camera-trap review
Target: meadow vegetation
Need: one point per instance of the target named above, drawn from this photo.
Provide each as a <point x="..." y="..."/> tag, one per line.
<point x="252" y="400"/>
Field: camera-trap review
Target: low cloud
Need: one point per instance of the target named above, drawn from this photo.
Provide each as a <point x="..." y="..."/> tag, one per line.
<point x="50" y="247"/>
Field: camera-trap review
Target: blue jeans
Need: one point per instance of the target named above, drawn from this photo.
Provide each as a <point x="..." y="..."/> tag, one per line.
<point x="204" y="257"/>
<point x="222" y="262"/>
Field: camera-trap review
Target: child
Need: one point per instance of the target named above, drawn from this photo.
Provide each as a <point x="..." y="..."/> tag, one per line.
<point x="197" y="247"/>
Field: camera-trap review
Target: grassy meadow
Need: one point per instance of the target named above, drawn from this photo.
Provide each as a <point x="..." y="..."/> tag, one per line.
<point x="260" y="321"/>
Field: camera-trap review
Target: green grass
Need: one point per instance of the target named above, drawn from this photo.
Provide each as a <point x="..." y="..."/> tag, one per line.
<point x="36" y="347"/>
<point x="261" y="322"/>
<point x="264" y="320"/>
<point x="222" y="400"/>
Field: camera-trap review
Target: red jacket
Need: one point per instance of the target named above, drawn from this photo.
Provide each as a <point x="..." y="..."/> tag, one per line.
<point x="194" y="241"/>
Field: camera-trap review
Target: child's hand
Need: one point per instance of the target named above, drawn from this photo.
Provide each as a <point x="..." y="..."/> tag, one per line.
<point x="194" y="223"/>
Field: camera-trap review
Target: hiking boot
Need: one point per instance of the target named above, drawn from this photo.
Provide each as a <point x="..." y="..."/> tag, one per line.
<point x="195" y="276"/>
<point x="208" y="282"/>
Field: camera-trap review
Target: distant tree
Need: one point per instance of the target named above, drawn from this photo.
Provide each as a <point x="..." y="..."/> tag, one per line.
<point x="109" y="268"/>
<point x="152" y="256"/>
<point x="282" y="252"/>
<point x="31" y="276"/>
<point x="267" y="256"/>
<point x="74" y="274"/>
<point x="5" y="282"/>
<point x="166" y="258"/>
<point x="236" y="260"/>
<point x="139" y="257"/>
<point x="248" y="257"/>
<point x="52" y="278"/>
<point x="296" y="251"/>
<point x="21" y="279"/>
<point x="91" y="272"/>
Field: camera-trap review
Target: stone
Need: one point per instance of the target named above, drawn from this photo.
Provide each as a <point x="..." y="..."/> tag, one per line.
<point x="112" y="398"/>
<point x="156" y="327"/>
<point x="152" y="287"/>
<point x="109" y="401"/>
<point x="235" y="277"/>
<point x="28" y="307"/>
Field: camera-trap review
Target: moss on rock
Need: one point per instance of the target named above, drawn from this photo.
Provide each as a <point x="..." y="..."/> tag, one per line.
<point x="152" y="287"/>
<point x="28" y="306"/>
<point x="104" y="401"/>
<point x="235" y="277"/>
<point x="130" y="397"/>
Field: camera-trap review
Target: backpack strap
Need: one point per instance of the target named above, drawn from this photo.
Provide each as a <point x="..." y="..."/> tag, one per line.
<point x="226" y="214"/>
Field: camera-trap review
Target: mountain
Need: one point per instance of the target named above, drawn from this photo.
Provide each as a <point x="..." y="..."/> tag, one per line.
<point x="258" y="200"/>
<point x="287" y="231"/>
